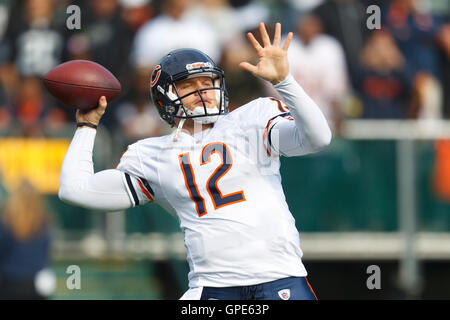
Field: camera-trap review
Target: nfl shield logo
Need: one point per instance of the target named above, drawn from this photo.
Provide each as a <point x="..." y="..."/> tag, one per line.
<point x="285" y="294"/>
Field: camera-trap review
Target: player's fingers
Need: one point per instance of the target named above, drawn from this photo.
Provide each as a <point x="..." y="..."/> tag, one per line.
<point x="248" y="67"/>
<point x="101" y="106"/>
<point x="287" y="41"/>
<point x="277" y="35"/>
<point x="264" y="35"/>
<point x="102" y="103"/>
<point x="254" y="42"/>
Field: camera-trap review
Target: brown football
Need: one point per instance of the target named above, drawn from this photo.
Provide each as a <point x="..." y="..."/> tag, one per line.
<point x="79" y="84"/>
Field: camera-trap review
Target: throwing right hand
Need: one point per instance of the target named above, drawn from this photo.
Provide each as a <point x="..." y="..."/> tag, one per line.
<point x="92" y="116"/>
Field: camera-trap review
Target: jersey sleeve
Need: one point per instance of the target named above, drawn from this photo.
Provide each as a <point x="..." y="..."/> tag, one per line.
<point x="138" y="187"/>
<point x="80" y="186"/>
<point x="301" y="126"/>
<point x="288" y="130"/>
<point x="264" y="114"/>
<point x="273" y="112"/>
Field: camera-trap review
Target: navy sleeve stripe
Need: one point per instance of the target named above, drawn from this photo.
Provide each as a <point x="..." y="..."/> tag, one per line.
<point x="269" y="138"/>
<point x="286" y="114"/>
<point x="130" y="186"/>
<point x="147" y="186"/>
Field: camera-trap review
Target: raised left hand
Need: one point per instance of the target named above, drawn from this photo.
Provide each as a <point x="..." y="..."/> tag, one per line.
<point x="273" y="64"/>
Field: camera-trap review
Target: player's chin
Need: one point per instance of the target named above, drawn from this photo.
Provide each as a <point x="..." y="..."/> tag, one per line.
<point x="209" y="107"/>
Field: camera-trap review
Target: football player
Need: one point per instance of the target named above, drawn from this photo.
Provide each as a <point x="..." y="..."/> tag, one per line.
<point x="218" y="173"/>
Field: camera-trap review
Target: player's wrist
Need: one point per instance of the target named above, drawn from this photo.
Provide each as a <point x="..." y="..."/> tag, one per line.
<point x="284" y="81"/>
<point x="85" y="124"/>
<point x="277" y="81"/>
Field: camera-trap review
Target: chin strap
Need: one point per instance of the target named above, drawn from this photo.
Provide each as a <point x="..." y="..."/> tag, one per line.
<point x="180" y="126"/>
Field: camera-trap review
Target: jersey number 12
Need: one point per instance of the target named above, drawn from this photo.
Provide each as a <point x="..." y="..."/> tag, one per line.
<point x="218" y="199"/>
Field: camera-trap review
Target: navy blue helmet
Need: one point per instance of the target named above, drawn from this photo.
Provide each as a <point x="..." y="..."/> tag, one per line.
<point x="179" y="65"/>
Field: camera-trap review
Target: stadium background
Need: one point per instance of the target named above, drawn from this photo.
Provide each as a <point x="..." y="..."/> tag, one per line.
<point x="379" y="195"/>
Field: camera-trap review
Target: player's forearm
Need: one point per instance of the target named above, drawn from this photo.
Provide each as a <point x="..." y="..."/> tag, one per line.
<point x="80" y="186"/>
<point x="309" y="119"/>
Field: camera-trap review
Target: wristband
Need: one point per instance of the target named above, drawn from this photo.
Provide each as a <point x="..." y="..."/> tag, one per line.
<point x="86" y="124"/>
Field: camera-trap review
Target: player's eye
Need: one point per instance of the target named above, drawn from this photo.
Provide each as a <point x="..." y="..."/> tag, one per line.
<point x="185" y="86"/>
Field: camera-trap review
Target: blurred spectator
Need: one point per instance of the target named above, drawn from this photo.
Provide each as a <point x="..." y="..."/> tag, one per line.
<point x="5" y="7"/>
<point x="346" y="21"/>
<point x="383" y="81"/>
<point x="139" y="119"/>
<point x="3" y="192"/>
<point x="104" y="38"/>
<point x="135" y="13"/>
<point x="415" y="30"/>
<point x="172" y="29"/>
<point x="25" y="246"/>
<point x="137" y="116"/>
<point x="250" y="13"/>
<point x="32" y="109"/>
<point x="31" y="44"/>
<point x="10" y="79"/>
<point x="6" y="119"/>
<point x="33" y="40"/>
<point x="305" y="6"/>
<point x="317" y="62"/>
<point x="444" y="40"/>
<point x="296" y="9"/>
<point x="427" y="97"/>
<point x="242" y="86"/>
<point x="29" y="106"/>
<point x="219" y="15"/>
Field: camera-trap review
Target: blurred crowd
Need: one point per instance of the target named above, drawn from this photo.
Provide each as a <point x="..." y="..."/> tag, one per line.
<point x="25" y="239"/>
<point x="398" y="71"/>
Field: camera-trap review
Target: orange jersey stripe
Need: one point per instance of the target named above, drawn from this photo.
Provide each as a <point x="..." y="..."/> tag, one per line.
<point x="145" y="191"/>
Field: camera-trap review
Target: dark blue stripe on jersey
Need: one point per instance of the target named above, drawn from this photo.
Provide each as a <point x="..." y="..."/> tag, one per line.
<point x="269" y="138"/>
<point x="286" y="114"/>
<point x="189" y="176"/>
<point x="147" y="186"/>
<point x="130" y="186"/>
<point x="279" y="104"/>
<point x="219" y="200"/>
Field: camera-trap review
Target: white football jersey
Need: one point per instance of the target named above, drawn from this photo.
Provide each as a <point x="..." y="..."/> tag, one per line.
<point x="224" y="186"/>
